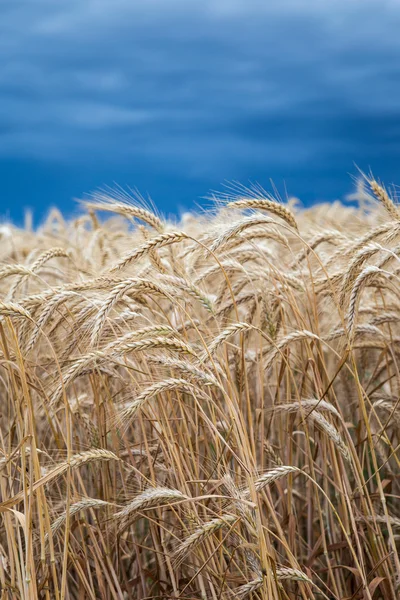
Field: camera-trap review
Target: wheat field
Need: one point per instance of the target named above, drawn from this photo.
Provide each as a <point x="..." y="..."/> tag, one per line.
<point x="206" y="409"/>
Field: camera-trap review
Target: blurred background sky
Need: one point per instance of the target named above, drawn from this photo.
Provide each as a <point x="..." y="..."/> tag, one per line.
<point x="176" y="98"/>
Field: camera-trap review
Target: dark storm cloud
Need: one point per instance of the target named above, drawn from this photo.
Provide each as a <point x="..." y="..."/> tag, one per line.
<point x="200" y="88"/>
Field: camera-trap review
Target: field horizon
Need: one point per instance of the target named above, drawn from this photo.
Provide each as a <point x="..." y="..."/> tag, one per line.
<point x="202" y="409"/>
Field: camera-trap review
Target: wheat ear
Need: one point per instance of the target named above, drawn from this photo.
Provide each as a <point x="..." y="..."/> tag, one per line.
<point x="129" y="411"/>
<point x="10" y="309"/>
<point x="223" y="337"/>
<point x="381" y="194"/>
<point x="361" y="280"/>
<point x="84" y="504"/>
<point x="307" y="404"/>
<point x="136" y="284"/>
<point x="237" y="227"/>
<point x="150" y="498"/>
<point x="107" y="204"/>
<point x="160" y="241"/>
<point x="202" y="533"/>
<point x="264" y="204"/>
<point x="271" y="476"/>
<point x="331" y="432"/>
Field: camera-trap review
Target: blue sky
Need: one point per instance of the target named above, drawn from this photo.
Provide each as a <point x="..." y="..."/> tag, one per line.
<point x="176" y="98"/>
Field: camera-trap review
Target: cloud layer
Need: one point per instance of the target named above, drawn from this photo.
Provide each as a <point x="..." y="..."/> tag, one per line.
<point x="200" y="90"/>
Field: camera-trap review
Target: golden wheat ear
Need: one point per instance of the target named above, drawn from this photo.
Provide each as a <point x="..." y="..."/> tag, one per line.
<point x="109" y="204"/>
<point x="381" y="194"/>
<point x="264" y="204"/>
